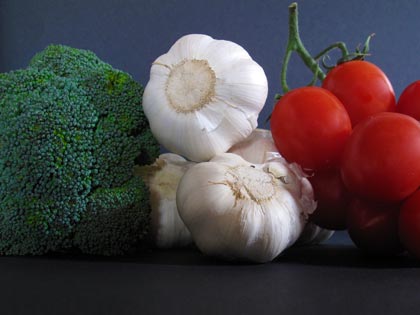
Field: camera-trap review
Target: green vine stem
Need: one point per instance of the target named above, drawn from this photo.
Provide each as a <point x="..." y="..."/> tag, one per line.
<point x="324" y="53"/>
<point x="339" y="45"/>
<point x="294" y="44"/>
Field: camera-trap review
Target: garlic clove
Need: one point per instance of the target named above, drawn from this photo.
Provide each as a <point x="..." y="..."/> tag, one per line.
<point x="204" y="96"/>
<point x="321" y="236"/>
<point x="239" y="210"/>
<point x="313" y="234"/>
<point x="224" y="52"/>
<point x="192" y="46"/>
<point x="162" y="178"/>
<point x="244" y="83"/>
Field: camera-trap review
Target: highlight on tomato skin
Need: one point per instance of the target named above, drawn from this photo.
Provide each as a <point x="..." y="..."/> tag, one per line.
<point x="362" y="87"/>
<point x="409" y="224"/>
<point x="381" y="158"/>
<point x="409" y="101"/>
<point x="310" y="126"/>
<point x="332" y="200"/>
<point x="373" y="227"/>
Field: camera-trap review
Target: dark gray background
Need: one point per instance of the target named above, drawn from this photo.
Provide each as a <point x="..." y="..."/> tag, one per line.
<point x="130" y="34"/>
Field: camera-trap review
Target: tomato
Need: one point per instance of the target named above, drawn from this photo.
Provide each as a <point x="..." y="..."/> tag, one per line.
<point x="409" y="101"/>
<point x="310" y="126"/>
<point x="373" y="227"/>
<point x="381" y="159"/>
<point x="362" y="87"/>
<point x="332" y="200"/>
<point x="409" y="224"/>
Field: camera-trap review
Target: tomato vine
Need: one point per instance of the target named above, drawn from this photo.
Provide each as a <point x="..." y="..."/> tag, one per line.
<point x="295" y="44"/>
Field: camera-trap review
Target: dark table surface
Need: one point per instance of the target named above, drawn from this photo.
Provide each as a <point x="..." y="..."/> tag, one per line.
<point x="334" y="278"/>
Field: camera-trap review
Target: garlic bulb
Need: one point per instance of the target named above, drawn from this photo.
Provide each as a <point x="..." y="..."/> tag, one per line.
<point x="203" y="96"/>
<point x="257" y="148"/>
<point x="162" y="178"/>
<point x="235" y="209"/>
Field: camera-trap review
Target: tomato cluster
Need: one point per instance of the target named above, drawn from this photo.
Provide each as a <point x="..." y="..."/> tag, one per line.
<point x="361" y="150"/>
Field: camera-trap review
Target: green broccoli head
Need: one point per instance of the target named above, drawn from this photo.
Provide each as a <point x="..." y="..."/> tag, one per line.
<point x="71" y="130"/>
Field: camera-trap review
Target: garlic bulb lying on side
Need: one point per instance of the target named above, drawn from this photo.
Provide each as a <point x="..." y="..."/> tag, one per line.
<point x="162" y="178"/>
<point x="203" y="96"/>
<point x="259" y="148"/>
<point x="239" y="210"/>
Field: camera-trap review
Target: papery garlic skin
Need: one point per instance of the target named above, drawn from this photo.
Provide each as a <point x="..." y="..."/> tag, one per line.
<point x="257" y="148"/>
<point x="313" y="234"/>
<point x="239" y="210"/>
<point x="162" y="178"/>
<point x="203" y="96"/>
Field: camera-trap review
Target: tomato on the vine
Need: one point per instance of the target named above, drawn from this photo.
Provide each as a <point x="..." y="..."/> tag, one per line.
<point x="409" y="101"/>
<point x="332" y="200"/>
<point x="373" y="227"/>
<point x="381" y="158"/>
<point x="310" y="126"/>
<point x="362" y="87"/>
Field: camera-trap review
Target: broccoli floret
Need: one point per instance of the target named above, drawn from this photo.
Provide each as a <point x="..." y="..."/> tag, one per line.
<point x="71" y="130"/>
<point x="114" y="215"/>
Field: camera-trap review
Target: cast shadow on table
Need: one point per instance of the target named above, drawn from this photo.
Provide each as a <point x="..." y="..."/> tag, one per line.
<point x="348" y="255"/>
<point x="189" y="256"/>
<point x="329" y="255"/>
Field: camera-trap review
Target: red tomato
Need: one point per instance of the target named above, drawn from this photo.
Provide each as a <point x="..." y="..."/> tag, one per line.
<point x="310" y="126"/>
<point x="362" y="88"/>
<point x="332" y="200"/>
<point x="373" y="227"/>
<point x="409" y="224"/>
<point x="381" y="160"/>
<point x="409" y="101"/>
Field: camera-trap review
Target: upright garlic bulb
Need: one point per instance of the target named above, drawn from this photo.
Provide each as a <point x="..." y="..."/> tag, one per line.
<point x="162" y="178"/>
<point x="236" y="209"/>
<point x="203" y="96"/>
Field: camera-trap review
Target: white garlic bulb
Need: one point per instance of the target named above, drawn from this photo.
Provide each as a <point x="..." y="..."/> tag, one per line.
<point x="239" y="210"/>
<point x="259" y="148"/>
<point x="203" y="96"/>
<point x="162" y="178"/>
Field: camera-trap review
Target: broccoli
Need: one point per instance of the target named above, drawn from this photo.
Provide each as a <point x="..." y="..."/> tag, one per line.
<point x="71" y="130"/>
